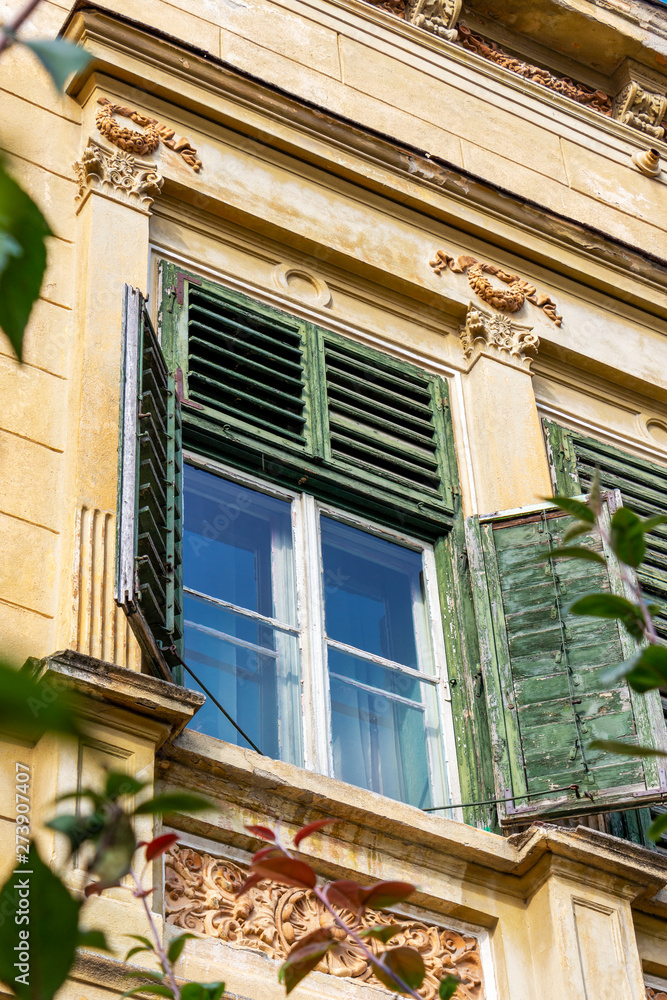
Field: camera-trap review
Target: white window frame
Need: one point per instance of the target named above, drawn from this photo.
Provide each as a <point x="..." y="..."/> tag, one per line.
<point x="316" y="712"/>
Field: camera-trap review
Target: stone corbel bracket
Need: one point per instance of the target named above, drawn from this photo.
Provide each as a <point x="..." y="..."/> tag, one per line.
<point x="439" y="17"/>
<point x="641" y="99"/>
<point x="497" y="337"/>
<point x="508" y="300"/>
<point x="117" y="175"/>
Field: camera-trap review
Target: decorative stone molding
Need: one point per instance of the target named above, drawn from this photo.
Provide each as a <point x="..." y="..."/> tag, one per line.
<point x="199" y="896"/>
<point x="510" y="300"/>
<point x="497" y="336"/>
<point x="641" y="109"/>
<point x="116" y="175"/>
<point x="596" y="100"/>
<point x="141" y="143"/>
<point x="437" y="16"/>
<point x="653" y="993"/>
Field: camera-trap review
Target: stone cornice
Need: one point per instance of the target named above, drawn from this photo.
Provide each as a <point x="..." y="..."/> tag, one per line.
<point x="221" y="94"/>
<point x="167" y="706"/>
<point x="516" y="865"/>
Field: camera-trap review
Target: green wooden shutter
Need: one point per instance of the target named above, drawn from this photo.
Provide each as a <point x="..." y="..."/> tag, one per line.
<point x="643" y="486"/>
<point x="274" y="394"/>
<point x="149" y="550"/>
<point x="543" y="671"/>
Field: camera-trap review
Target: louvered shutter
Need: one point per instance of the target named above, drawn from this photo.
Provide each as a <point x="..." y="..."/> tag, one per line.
<point x="274" y="394"/>
<point x="543" y="670"/>
<point x="148" y="564"/>
<point x="643" y="487"/>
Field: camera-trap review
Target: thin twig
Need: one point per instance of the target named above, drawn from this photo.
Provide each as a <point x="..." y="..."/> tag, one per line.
<point x="159" y="950"/>
<point x="10" y="27"/>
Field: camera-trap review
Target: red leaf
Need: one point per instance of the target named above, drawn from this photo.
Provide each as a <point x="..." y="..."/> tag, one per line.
<point x="287" y="871"/>
<point x="346" y="894"/>
<point x="386" y="894"/>
<point x="96" y="888"/>
<point x="404" y="962"/>
<point x="304" y="956"/>
<point x="306" y="831"/>
<point x="160" y="845"/>
<point x="265" y="852"/>
<point x="249" y="883"/>
<point x="262" y="832"/>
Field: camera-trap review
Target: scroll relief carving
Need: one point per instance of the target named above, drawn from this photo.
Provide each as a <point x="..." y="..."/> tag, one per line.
<point x="641" y="109"/>
<point x="141" y="143"/>
<point x="117" y="174"/>
<point x="655" y="994"/>
<point x="594" y="99"/>
<point x="199" y="896"/>
<point x="483" y="331"/>
<point x="506" y="300"/>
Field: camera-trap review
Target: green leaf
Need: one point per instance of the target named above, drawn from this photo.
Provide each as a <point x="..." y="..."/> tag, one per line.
<point x="115" y="848"/>
<point x="119" y="784"/>
<point x="658" y="827"/>
<point x="650" y="670"/>
<point x="53" y="930"/>
<point x="135" y="951"/>
<point x="627" y="537"/>
<point x="626" y="749"/>
<point x="93" y="939"/>
<point x="606" y="605"/>
<point x="574" y="552"/>
<point x="614" y="674"/>
<point x="404" y="962"/>
<point x="575" y="507"/>
<point x="382" y="932"/>
<point x="177" y="945"/>
<point x="383" y="894"/>
<point x="59" y="58"/>
<point x="171" y="802"/>
<point x="78" y="829"/>
<point x="576" y="529"/>
<point x="22" y="226"/>
<point x="649" y="523"/>
<point x="202" y="991"/>
<point x="28" y="707"/>
<point x="144" y="940"/>
<point x="448" y="987"/>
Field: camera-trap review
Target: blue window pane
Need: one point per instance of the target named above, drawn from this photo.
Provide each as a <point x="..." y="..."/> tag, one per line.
<point x="380" y="744"/>
<point x="371" y="587"/>
<point x="355" y="668"/>
<point x="238" y="549"/>
<point x="230" y="535"/>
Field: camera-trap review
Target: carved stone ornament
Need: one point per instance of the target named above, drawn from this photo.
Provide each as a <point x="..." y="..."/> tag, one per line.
<point x="497" y="335"/>
<point x="141" y="143"/>
<point x="594" y="99"/>
<point x="655" y="993"/>
<point x="506" y="300"/>
<point x="435" y="16"/>
<point x="117" y="175"/>
<point x="199" y="896"/>
<point x="641" y="109"/>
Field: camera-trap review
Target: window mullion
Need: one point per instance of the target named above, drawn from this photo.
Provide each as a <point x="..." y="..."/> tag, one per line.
<point x="317" y="754"/>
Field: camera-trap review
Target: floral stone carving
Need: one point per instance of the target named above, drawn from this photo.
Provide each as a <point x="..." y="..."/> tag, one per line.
<point x="483" y="332"/>
<point x="199" y="896"/>
<point x="594" y="99"/>
<point x="435" y="16"/>
<point x="118" y="175"/>
<point x="641" y="109"/>
<point x="655" y="994"/>
<point x="141" y="143"/>
<point x="506" y="300"/>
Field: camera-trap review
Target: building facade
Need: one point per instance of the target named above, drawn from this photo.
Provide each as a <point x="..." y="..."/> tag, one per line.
<point x="338" y="294"/>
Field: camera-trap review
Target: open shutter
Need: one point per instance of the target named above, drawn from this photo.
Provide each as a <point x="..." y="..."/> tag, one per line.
<point x="148" y="564"/>
<point x="274" y="394"/>
<point x="643" y="487"/>
<point x="543" y="670"/>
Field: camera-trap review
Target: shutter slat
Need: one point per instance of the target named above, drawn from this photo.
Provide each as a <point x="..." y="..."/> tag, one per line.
<point x="149" y="556"/>
<point x="546" y="670"/>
